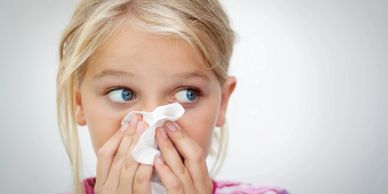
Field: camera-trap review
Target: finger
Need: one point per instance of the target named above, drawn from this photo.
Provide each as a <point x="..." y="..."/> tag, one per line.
<point x="130" y="165"/>
<point x="173" y="160"/>
<point x="168" y="178"/>
<point x="113" y="179"/>
<point x="129" y="160"/>
<point x="106" y="154"/>
<point x="142" y="181"/>
<point x="193" y="154"/>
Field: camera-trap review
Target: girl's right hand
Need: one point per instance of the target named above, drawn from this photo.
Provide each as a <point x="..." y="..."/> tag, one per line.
<point x="117" y="171"/>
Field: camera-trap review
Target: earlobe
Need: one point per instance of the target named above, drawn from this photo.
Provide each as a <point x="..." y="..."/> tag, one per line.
<point x="220" y="120"/>
<point x="227" y="90"/>
<point x="79" y="114"/>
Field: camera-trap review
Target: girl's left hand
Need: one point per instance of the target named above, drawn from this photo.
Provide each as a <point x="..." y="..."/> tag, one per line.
<point x="189" y="176"/>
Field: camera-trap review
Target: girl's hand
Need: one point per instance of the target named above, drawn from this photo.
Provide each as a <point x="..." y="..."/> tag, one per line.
<point x="117" y="171"/>
<point x="189" y="176"/>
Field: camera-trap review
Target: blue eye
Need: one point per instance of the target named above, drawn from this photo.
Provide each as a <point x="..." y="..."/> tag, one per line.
<point x="187" y="95"/>
<point x="121" y="95"/>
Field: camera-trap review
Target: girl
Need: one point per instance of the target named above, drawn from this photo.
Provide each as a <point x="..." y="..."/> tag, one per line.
<point x="122" y="55"/>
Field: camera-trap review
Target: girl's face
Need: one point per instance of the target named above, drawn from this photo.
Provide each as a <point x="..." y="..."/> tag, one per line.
<point x="140" y="71"/>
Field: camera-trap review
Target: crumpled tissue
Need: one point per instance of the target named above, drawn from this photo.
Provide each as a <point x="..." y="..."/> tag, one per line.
<point x="146" y="149"/>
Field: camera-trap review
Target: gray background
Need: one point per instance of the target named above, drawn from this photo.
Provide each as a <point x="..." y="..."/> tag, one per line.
<point x="310" y="112"/>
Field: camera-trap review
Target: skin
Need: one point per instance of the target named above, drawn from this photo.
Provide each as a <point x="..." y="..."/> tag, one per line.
<point x="156" y="69"/>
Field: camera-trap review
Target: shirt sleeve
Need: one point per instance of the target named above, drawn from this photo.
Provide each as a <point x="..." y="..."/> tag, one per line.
<point x="230" y="187"/>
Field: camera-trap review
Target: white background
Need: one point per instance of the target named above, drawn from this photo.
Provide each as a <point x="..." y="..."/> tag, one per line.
<point x="309" y="114"/>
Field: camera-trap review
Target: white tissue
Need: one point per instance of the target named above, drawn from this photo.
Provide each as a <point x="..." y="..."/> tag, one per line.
<point x="146" y="149"/>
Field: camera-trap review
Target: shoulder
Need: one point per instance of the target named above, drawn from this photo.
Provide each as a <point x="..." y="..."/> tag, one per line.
<point x="234" y="187"/>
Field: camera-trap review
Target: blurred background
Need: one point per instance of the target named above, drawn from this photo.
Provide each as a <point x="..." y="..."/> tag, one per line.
<point x="309" y="114"/>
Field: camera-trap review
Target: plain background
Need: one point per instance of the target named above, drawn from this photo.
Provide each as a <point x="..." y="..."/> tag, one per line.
<point x="309" y="114"/>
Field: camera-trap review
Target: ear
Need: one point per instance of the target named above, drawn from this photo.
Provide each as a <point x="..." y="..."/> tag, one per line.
<point x="79" y="111"/>
<point x="227" y="90"/>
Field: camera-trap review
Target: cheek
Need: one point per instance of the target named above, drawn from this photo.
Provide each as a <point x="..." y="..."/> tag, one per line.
<point x="199" y="124"/>
<point x="102" y="122"/>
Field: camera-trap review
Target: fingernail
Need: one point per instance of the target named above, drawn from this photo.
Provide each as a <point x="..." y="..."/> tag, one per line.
<point x="141" y="125"/>
<point x="159" y="160"/>
<point x="163" y="133"/>
<point x="124" y="127"/>
<point x="171" y="126"/>
<point x="134" y="121"/>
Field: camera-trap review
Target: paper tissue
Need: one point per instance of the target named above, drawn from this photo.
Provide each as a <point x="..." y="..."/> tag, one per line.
<point x="146" y="149"/>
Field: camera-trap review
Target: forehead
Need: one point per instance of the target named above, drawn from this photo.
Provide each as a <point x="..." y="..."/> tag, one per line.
<point x="146" y="54"/>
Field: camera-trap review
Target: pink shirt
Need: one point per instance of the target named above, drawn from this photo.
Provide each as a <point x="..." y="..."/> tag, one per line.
<point x="219" y="187"/>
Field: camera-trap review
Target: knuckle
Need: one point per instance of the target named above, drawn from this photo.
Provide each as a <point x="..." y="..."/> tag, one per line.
<point x="198" y="155"/>
<point x="169" y="146"/>
<point x="129" y="134"/>
<point x="103" y="153"/>
<point x="180" y="136"/>
<point x="130" y="165"/>
<point x="176" y="186"/>
<point x="141" y="178"/>
<point x="181" y="169"/>
<point x="119" y="157"/>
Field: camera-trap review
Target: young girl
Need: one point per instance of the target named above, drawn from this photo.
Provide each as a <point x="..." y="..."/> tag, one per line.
<point x="122" y="55"/>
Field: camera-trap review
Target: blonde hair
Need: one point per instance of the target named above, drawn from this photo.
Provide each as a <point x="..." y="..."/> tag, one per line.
<point x="202" y="23"/>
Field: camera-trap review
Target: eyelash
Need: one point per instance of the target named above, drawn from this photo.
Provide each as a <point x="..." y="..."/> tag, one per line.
<point x="195" y="89"/>
<point x="116" y="88"/>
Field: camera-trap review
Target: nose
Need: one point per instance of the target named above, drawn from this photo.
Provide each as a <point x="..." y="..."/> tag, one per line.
<point x="150" y="105"/>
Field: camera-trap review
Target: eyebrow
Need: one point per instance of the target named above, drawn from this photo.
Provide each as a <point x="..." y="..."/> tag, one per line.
<point x="112" y="73"/>
<point x="181" y="76"/>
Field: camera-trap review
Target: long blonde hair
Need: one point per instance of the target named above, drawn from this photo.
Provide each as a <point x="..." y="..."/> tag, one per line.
<point x="202" y="23"/>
